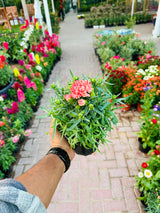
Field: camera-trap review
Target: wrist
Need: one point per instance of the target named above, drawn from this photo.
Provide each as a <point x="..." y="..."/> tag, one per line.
<point x="62" y="154"/>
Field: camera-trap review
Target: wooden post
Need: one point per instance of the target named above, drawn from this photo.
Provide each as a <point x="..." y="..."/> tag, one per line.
<point x="45" y="3"/>
<point x="25" y="9"/>
<point x="144" y="6"/>
<point x="135" y="6"/>
<point x="78" y="3"/>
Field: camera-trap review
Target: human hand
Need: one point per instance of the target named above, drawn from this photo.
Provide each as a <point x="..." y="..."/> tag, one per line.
<point x="61" y="142"/>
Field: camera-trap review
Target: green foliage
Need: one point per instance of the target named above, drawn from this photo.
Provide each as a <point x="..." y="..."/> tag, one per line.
<point x="5" y="76"/>
<point x="105" y="54"/>
<point x="6" y="158"/>
<point x="153" y="201"/>
<point x="85" y="124"/>
<point x="149" y="131"/>
<point x="130" y="23"/>
<point x="126" y="53"/>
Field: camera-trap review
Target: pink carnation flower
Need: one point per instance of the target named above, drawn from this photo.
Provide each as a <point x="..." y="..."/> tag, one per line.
<point x="81" y="89"/>
<point x="68" y="96"/>
<point x="123" y="43"/>
<point x="81" y="102"/>
<point x="28" y="132"/>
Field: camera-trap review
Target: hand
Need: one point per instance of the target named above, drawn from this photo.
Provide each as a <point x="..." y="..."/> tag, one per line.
<point x="59" y="141"/>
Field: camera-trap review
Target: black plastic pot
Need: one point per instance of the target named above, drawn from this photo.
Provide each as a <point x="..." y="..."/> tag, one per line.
<point x="5" y="89"/>
<point x="80" y="150"/>
<point x="146" y="150"/>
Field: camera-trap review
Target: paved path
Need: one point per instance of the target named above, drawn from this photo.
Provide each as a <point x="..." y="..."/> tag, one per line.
<point x="99" y="183"/>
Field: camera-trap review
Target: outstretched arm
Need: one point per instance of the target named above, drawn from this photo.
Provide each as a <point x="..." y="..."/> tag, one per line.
<point x="42" y="179"/>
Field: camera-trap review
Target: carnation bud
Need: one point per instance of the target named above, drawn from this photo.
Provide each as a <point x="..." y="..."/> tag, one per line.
<point x="77" y="107"/>
<point x="58" y="101"/>
<point x="53" y="86"/>
<point x="93" y="80"/>
<point x="92" y="93"/>
<point x="91" y="106"/>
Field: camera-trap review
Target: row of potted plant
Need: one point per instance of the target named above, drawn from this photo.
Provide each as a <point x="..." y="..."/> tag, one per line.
<point x="148" y="179"/>
<point x="138" y="81"/>
<point x="115" y="20"/>
<point x="21" y="87"/>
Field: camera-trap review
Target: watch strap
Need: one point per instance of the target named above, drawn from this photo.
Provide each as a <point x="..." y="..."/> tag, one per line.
<point x="62" y="154"/>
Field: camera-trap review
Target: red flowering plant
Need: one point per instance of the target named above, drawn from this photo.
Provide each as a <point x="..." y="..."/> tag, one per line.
<point x="149" y="119"/>
<point x="148" y="178"/>
<point x="114" y="69"/>
<point x="5" y="72"/>
<point x="147" y="60"/>
<point x="82" y="111"/>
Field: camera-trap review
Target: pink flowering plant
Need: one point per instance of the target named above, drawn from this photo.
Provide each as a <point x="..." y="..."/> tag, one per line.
<point x="83" y="112"/>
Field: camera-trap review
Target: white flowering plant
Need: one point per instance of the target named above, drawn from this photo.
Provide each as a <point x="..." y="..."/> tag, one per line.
<point x="151" y="72"/>
<point x="83" y="111"/>
<point x="149" y="176"/>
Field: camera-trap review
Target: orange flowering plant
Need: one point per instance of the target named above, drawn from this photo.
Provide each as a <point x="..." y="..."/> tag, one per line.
<point x="83" y="112"/>
<point x="134" y="88"/>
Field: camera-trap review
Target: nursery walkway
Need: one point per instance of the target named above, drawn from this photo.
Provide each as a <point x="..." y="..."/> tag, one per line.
<point x="99" y="183"/>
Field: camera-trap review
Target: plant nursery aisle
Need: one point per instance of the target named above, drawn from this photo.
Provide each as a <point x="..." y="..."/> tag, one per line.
<point x="101" y="182"/>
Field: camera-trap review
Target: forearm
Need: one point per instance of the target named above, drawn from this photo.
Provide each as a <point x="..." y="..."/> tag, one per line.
<point x="42" y="179"/>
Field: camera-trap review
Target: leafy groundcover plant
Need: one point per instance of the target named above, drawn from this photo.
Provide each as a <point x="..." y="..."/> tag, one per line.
<point x="83" y="111"/>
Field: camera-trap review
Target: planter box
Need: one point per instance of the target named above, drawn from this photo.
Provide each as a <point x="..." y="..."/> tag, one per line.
<point x="96" y="26"/>
<point x="101" y="26"/>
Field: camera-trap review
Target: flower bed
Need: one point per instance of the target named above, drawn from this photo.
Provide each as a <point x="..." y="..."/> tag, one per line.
<point x="134" y="73"/>
<point x="21" y="100"/>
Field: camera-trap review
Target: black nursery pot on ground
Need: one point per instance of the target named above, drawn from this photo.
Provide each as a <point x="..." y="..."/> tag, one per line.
<point x="146" y="150"/>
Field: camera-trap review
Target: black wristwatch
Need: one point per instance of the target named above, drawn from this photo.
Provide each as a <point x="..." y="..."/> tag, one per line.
<point x="62" y="154"/>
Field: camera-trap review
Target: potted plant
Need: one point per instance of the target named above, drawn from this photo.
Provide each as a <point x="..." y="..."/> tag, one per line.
<point x="83" y="113"/>
<point x="149" y="119"/>
<point x="6" y="75"/>
<point x="148" y="178"/>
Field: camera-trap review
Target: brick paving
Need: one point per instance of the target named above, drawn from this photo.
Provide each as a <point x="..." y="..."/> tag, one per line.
<point x="98" y="183"/>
